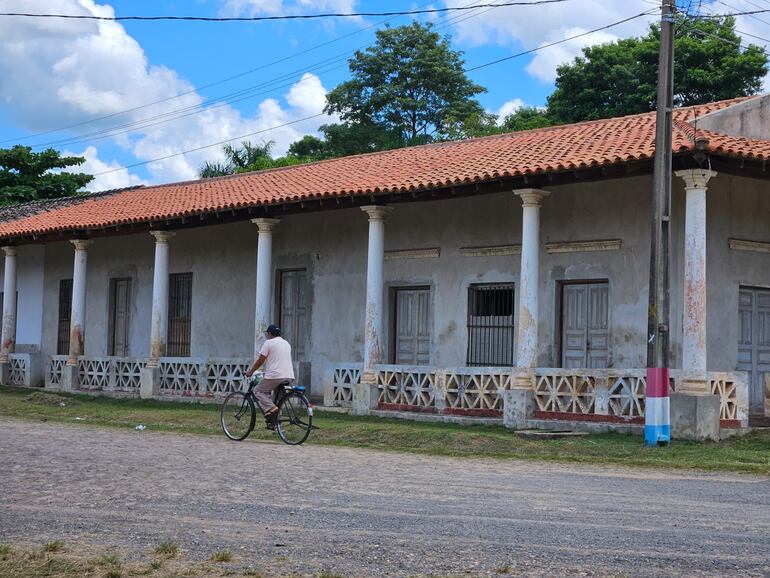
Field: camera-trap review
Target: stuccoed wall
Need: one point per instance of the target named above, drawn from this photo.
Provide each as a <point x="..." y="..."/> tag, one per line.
<point x="29" y="289"/>
<point x="332" y="246"/>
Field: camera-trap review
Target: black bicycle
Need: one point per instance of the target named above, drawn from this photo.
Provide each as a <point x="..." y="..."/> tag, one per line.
<point x="293" y="420"/>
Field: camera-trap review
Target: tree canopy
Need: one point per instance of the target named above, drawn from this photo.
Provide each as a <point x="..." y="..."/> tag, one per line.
<point x="26" y="175"/>
<point x="409" y="84"/>
<point x="248" y="157"/>
<point x="620" y="78"/>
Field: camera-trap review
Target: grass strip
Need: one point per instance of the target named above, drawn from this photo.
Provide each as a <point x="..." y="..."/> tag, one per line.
<point x="747" y="454"/>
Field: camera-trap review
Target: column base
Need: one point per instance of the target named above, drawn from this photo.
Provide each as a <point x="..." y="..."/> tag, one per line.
<point x="523" y="378"/>
<point x="695" y="417"/>
<point x="366" y="397"/>
<point x="70" y="380"/>
<point x="149" y="382"/>
<point x="518" y="407"/>
<point x="693" y="385"/>
<point x="5" y="373"/>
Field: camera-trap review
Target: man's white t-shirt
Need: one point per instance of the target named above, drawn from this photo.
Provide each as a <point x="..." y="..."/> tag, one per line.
<point x="278" y="363"/>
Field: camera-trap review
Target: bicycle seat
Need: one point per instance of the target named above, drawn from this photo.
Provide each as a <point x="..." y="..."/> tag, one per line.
<point x="298" y="388"/>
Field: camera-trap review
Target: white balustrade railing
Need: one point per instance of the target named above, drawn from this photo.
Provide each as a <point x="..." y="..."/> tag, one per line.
<point x="94" y="372"/>
<point x="458" y="390"/>
<point x="476" y="390"/>
<point x="183" y="376"/>
<point x="54" y="371"/>
<point x="614" y="395"/>
<point x="339" y="379"/>
<point x="619" y="394"/>
<point x="407" y="386"/>
<point x="20" y="367"/>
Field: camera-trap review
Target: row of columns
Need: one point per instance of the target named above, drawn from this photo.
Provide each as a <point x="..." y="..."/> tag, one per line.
<point x="694" y="338"/>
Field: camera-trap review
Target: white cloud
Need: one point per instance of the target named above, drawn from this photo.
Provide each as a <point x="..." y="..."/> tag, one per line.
<point x="94" y="165"/>
<point x="508" y="108"/>
<point x="58" y="73"/>
<point x="530" y="27"/>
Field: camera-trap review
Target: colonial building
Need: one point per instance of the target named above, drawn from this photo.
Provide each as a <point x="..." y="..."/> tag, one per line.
<point x="502" y="277"/>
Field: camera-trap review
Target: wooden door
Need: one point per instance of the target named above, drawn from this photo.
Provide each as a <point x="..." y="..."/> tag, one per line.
<point x="585" y="325"/>
<point x="293" y="310"/>
<point x="120" y="297"/>
<point x="754" y="343"/>
<point x="411" y="326"/>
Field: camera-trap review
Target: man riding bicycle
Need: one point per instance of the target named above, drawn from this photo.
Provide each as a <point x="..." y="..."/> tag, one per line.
<point x="275" y="355"/>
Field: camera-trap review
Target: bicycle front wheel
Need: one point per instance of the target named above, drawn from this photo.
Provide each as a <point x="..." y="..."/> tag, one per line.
<point x="295" y="419"/>
<point x="238" y="416"/>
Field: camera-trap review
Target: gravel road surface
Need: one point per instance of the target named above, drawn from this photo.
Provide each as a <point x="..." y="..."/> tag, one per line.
<point x="355" y="512"/>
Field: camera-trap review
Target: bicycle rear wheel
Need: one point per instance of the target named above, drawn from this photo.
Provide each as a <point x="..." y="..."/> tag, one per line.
<point x="238" y="416"/>
<point x="295" y="419"/>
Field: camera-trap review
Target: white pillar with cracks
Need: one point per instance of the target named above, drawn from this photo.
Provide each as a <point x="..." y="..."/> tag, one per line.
<point x="9" y="305"/>
<point x="694" y="344"/>
<point x="526" y="345"/>
<point x="373" y="328"/>
<point x="160" y="280"/>
<point x="264" y="279"/>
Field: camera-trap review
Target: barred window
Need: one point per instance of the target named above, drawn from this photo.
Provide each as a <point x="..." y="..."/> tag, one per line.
<point x="490" y="325"/>
<point x="65" y="316"/>
<point x="179" y="314"/>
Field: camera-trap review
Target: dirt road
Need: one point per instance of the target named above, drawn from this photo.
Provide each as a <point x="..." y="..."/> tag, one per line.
<point x="357" y="512"/>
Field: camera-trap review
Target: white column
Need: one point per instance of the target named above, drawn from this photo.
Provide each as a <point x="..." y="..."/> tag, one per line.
<point x="373" y="329"/>
<point x="159" y="317"/>
<point x="78" y="316"/>
<point x="9" y="304"/>
<point x="526" y="346"/>
<point x="264" y="279"/>
<point x="694" y="344"/>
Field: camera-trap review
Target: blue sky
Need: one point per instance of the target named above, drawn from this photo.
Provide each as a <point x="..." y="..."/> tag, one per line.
<point x="62" y="73"/>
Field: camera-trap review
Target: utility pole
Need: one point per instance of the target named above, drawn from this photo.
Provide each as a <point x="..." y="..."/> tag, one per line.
<point x="659" y="308"/>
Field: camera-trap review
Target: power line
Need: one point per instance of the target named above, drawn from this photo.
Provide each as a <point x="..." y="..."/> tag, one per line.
<point x="321" y="114"/>
<point x="205" y="86"/>
<point x="281" y="17"/>
<point x="648" y="12"/>
<point x="231" y="98"/>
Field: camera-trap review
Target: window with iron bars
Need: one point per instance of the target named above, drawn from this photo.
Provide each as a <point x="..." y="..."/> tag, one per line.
<point x="490" y="325"/>
<point x="65" y="315"/>
<point x="179" y="314"/>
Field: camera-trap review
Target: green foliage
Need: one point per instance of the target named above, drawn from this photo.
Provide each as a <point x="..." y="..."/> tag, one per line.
<point x="225" y="555"/>
<point x="526" y="118"/>
<point x="246" y="158"/>
<point x="308" y="147"/>
<point x="25" y="175"/>
<point x="167" y="548"/>
<point x="410" y="84"/>
<point x="620" y="78"/>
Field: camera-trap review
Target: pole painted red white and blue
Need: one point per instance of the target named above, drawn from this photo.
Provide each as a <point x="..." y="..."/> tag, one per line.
<point x="657" y="413"/>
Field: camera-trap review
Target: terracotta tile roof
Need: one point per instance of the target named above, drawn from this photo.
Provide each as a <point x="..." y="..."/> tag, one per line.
<point x="14" y="212"/>
<point x="569" y="147"/>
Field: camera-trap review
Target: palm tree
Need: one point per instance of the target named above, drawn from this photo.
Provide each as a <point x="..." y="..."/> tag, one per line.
<point x="248" y="157"/>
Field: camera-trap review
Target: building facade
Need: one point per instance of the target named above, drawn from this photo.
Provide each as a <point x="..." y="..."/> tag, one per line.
<point x="516" y="292"/>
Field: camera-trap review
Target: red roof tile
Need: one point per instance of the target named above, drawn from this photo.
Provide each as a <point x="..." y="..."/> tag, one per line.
<point x="569" y="147"/>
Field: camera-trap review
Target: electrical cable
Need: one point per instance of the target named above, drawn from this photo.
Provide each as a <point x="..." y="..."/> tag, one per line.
<point x="280" y="17"/>
<point x="231" y="98"/>
<point x="646" y="13"/>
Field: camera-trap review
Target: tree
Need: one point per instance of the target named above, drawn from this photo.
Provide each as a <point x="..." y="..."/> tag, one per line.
<point x="308" y="147"/>
<point x="620" y="78"/>
<point x="526" y="118"/>
<point x="25" y="175"/>
<point x="238" y="160"/>
<point x="410" y="84"/>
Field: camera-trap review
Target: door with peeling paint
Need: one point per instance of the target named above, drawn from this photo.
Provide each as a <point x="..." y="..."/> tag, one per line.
<point x="120" y="305"/>
<point x="754" y="343"/>
<point x="411" y="326"/>
<point x="584" y="325"/>
<point x="293" y="310"/>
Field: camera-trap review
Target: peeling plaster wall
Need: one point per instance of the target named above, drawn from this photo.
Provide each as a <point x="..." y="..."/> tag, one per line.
<point x="332" y="246"/>
<point x="750" y="119"/>
<point x="737" y="208"/>
<point x="30" y="276"/>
